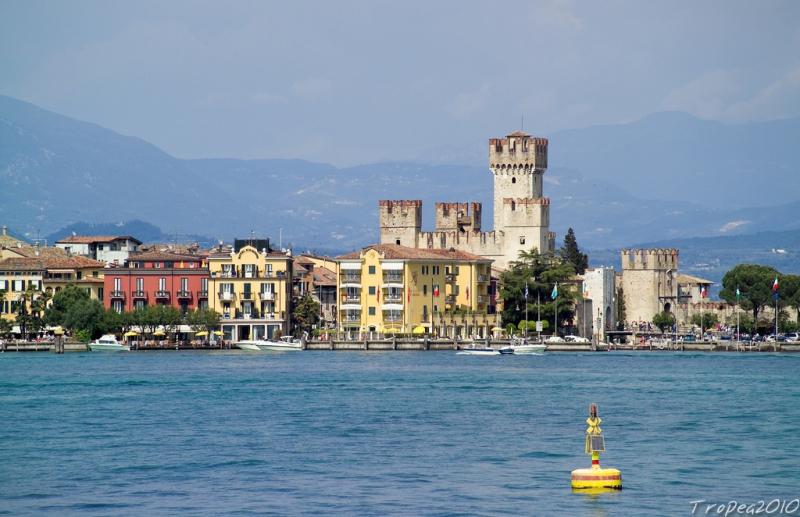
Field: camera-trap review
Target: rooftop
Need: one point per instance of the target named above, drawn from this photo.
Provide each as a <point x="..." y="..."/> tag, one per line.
<point x="398" y="252"/>
<point x="43" y="263"/>
<point x="91" y="239"/>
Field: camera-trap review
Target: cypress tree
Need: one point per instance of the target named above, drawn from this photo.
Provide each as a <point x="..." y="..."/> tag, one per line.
<point x="571" y="253"/>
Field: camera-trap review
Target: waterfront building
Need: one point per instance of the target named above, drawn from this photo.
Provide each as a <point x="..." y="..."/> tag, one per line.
<point x="521" y="212"/>
<point x="251" y="288"/>
<point x="389" y="288"/>
<point x="112" y="249"/>
<point x="599" y="287"/>
<point x="311" y="276"/>
<point x="158" y="278"/>
<point x="45" y="273"/>
<point x="648" y="282"/>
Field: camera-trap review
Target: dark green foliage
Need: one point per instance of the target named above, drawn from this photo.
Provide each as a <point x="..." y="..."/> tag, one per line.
<point x="571" y="253"/>
<point x="541" y="272"/>
<point x="305" y="314"/>
<point x="755" y="284"/>
<point x="664" y="320"/>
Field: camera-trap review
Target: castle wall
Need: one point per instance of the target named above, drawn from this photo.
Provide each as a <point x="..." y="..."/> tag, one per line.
<point x="400" y="221"/>
<point x="649" y="282"/>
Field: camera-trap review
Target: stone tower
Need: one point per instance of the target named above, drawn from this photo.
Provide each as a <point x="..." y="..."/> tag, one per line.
<point x="400" y="221"/>
<point x="649" y="283"/>
<point x="518" y="163"/>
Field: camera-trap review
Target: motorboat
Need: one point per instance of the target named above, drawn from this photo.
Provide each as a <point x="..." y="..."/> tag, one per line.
<point x="522" y="346"/>
<point x="108" y="343"/>
<point x="285" y="344"/>
<point x="478" y="350"/>
<point x="577" y="340"/>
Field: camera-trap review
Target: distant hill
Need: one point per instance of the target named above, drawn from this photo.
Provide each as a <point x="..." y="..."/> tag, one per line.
<point x="143" y="231"/>
<point x="56" y="171"/>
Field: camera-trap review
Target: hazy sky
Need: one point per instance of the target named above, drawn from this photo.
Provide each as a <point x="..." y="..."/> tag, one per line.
<point x="354" y="82"/>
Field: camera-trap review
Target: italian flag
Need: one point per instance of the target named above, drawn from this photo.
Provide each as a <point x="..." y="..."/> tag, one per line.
<point x="703" y="292"/>
<point x="775" y="285"/>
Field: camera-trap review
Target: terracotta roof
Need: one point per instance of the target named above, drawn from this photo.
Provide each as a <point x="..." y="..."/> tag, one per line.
<point x="89" y="239"/>
<point x="324" y="276"/>
<point x="395" y="251"/>
<point x="43" y="263"/>
<point x="689" y="279"/>
<point x="158" y="256"/>
<point x="38" y="251"/>
<point x="519" y="133"/>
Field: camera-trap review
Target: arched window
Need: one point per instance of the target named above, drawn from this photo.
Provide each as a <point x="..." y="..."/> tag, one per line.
<point x="513" y="179"/>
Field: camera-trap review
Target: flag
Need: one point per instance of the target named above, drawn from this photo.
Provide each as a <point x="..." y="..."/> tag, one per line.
<point x="467" y="293"/>
<point x="775" y="285"/>
<point x="554" y="294"/>
<point x="738" y="294"/>
<point x="526" y="291"/>
<point x="436" y="290"/>
<point x="378" y="294"/>
<point x="703" y="292"/>
<point x="409" y="294"/>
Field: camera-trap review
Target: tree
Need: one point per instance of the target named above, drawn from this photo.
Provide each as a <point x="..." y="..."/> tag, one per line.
<point x="541" y="272"/>
<point x="621" y="310"/>
<point x="5" y="326"/>
<point x="202" y="319"/>
<point x="62" y="301"/>
<point x="790" y="292"/>
<point x="704" y="320"/>
<point x="87" y="316"/>
<point x="754" y="282"/>
<point x="571" y="253"/>
<point x="664" y="320"/>
<point x="32" y="303"/>
<point x="305" y="314"/>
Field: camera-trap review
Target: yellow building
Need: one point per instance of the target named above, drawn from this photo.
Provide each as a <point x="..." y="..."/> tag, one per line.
<point x="46" y="272"/>
<point x="250" y="286"/>
<point x="388" y="288"/>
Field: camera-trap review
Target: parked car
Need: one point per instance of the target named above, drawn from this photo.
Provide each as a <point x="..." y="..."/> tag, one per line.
<point x="793" y="337"/>
<point x="576" y="339"/>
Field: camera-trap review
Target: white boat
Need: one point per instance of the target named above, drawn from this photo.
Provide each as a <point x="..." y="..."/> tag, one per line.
<point x="285" y="344"/>
<point x="108" y="343"/>
<point x="522" y="346"/>
<point x="473" y="350"/>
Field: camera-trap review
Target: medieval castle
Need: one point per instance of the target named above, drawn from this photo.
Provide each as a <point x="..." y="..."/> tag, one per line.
<point x="521" y="213"/>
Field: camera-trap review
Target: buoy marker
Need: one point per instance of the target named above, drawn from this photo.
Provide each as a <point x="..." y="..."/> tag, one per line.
<point x="595" y="478"/>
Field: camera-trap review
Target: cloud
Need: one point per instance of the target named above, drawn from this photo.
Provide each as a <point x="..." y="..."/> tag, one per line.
<point x="733" y="225"/>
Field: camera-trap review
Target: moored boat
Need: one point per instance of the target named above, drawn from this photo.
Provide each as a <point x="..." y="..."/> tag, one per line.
<point x="285" y="344"/>
<point x="473" y="350"/>
<point x="107" y="343"/>
<point x="522" y="347"/>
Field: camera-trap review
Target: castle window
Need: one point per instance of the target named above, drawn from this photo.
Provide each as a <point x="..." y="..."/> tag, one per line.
<point x="513" y="205"/>
<point x="397" y="241"/>
<point x="513" y="180"/>
<point x="522" y="240"/>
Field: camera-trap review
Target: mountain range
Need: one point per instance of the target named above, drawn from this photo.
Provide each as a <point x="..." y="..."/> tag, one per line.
<point x="667" y="176"/>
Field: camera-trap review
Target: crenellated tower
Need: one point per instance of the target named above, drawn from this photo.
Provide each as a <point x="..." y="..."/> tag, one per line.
<point x="400" y="221"/>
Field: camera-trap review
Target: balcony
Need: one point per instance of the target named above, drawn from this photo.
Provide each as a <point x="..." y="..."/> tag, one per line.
<point x="393" y="278"/>
<point x="202" y="295"/>
<point x="139" y="294"/>
<point x="482" y="298"/>
<point x="226" y="296"/>
<point x="118" y="294"/>
<point x="450" y="298"/>
<point x="450" y="278"/>
<point x="483" y="278"/>
<point x="351" y="279"/>
<point x="393" y="298"/>
<point x="392" y="318"/>
<point x="184" y="294"/>
<point x="267" y="295"/>
<point x="349" y="318"/>
<point x="247" y="295"/>
<point x="162" y="295"/>
<point x="351" y="298"/>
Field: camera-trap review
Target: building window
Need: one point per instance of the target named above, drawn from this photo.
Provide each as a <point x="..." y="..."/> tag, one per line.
<point x="162" y="284"/>
<point x="513" y="179"/>
<point x="522" y="239"/>
<point x="436" y="270"/>
<point x="204" y="284"/>
<point x="371" y="311"/>
<point x="118" y="284"/>
<point x="140" y="284"/>
<point x="397" y="241"/>
<point x="372" y="289"/>
<point x="425" y="290"/>
<point x="371" y="270"/>
<point x="184" y="284"/>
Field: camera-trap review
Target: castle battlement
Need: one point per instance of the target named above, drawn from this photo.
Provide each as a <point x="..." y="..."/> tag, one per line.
<point x="649" y="259"/>
<point x="521" y="213"/>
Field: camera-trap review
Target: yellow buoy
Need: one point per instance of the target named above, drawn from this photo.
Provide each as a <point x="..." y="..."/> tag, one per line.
<point x="596" y="478"/>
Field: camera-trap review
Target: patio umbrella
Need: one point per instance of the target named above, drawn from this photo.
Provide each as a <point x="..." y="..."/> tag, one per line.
<point x="131" y="333"/>
<point x="201" y="333"/>
<point x="419" y="329"/>
<point x="217" y="332"/>
<point x="159" y="333"/>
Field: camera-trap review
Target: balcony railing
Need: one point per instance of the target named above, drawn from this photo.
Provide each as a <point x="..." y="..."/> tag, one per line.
<point x="450" y="298"/>
<point x="393" y="318"/>
<point x="139" y="294"/>
<point x="351" y="279"/>
<point x="483" y="278"/>
<point x="392" y="277"/>
<point x="118" y="294"/>
<point x="352" y="319"/>
<point x="450" y="278"/>
<point x="393" y="298"/>
<point x="226" y="296"/>
<point x="482" y="298"/>
<point x="184" y="294"/>
<point x="351" y="298"/>
<point x="202" y="294"/>
<point x="162" y="294"/>
<point x="267" y="295"/>
<point x="426" y="318"/>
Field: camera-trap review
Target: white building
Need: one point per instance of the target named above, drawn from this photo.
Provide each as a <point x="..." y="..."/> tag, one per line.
<point x="599" y="287"/>
<point x="111" y="249"/>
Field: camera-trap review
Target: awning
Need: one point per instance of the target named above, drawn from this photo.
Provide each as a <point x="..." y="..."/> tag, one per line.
<point x="419" y="329"/>
<point x="201" y="333"/>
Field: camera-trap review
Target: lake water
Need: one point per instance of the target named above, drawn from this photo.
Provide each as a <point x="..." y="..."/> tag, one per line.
<point x="401" y="433"/>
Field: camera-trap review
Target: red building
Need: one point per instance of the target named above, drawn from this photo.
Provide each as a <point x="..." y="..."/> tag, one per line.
<point x="158" y="277"/>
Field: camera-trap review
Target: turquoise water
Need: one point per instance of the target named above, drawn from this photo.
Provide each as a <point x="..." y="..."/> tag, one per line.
<point x="414" y="433"/>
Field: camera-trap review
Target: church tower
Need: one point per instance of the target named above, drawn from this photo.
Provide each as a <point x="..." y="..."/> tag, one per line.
<point x="521" y="212"/>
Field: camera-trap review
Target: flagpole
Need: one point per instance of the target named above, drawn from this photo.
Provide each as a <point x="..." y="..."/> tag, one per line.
<point x="538" y="314"/>
<point x="526" y="310"/>
<point x="738" y="333"/>
<point x="556" y="314"/>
